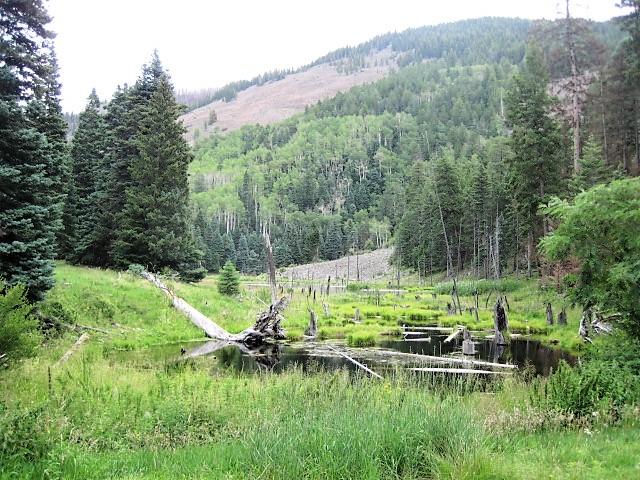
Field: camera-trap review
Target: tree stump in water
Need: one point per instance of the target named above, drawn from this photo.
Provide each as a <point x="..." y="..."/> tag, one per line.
<point x="549" y="314"/>
<point x="468" y="347"/>
<point x="500" y="322"/>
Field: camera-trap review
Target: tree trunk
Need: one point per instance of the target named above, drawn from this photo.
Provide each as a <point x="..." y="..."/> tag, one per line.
<point x="549" y="313"/>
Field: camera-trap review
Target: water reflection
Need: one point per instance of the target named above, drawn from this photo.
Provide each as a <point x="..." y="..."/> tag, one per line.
<point x="310" y="356"/>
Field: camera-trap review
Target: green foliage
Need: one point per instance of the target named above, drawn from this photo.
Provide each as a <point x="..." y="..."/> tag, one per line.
<point x="599" y="228"/>
<point x="18" y="327"/>
<point x="357" y="286"/>
<point x="83" y="208"/>
<point x="361" y="339"/>
<point x="32" y="148"/>
<point x="594" y="387"/>
<point x="229" y="280"/>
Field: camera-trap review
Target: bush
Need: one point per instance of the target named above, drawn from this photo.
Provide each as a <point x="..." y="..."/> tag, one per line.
<point x="357" y="286"/>
<point x="18" y="327"/>
<point x="193" y="275"/>
<point x="229" y="281"/>
<point x="592" y="387"/>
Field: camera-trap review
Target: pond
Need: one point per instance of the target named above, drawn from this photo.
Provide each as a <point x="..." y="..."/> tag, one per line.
<point x="388" y="354"/>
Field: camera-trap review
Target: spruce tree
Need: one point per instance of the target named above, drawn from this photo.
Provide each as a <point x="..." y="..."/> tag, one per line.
<point x="154" y="227"/>
<point x="32" y="148"/>
<point x="229" y="281"/>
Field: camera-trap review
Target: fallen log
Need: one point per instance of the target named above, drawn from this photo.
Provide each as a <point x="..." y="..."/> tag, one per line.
<point x="468" y="371"/>
<point x="267" y="326"/>
<point x="74" y="348"/>
<point x="355" y="362"/>
<point x="452" y="360"/>
<point x="454" y="335"/>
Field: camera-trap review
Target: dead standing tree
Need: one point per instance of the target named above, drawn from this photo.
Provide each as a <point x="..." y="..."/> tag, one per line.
<point x="500" y="321"/>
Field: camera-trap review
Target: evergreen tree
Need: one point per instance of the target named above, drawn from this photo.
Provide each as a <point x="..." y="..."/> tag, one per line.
<point x="593" y="170"/>
<point x="536" y="143"/>
<point x="229" y="280"/>
<point x="153" y="229"/>
<point x="242" y="256"/>
<point x="32" y="148"/>
<point x="86" y="200"/>
<point x="333" y="242"/>
<point x="229" y="248"/>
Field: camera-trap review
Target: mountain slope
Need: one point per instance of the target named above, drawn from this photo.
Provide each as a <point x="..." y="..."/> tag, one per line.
<point x="278" y="100"/>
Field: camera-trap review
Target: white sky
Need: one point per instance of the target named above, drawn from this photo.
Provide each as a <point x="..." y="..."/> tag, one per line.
<point x="208" y="43"/>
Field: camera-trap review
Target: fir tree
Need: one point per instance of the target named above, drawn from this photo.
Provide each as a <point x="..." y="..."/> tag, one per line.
<point x="229" y="280"/>
<point x="592" y="168"/>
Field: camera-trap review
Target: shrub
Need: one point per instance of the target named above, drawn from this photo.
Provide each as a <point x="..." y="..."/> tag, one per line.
<point x="592" y="387"/>
<point x="18" y="327"/>
<point x="229" y="281"/>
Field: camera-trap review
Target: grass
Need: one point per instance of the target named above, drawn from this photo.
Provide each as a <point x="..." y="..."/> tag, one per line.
<point x="102" y="415"/>
<point x="105" y="420"/>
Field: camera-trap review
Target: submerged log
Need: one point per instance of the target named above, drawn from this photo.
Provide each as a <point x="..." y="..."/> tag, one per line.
<point x="355" y="362"/>
<point x="467" y="371"/>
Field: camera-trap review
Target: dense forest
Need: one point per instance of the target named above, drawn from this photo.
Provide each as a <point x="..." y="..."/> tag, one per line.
<point x="440" y="157"/>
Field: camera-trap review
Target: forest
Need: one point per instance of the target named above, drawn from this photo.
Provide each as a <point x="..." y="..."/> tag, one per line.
<point x="178" y="307"/>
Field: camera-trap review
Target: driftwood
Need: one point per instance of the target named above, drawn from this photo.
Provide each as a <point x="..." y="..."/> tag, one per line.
<point x="355" y="362"/>
<point x="327" y="311"/>
<point x="594" y="323"/>
<point x="74" y="348"/>
<point x="267" y="325"/>
<point x="454" y="335"/>
<point x="446" y="360"/>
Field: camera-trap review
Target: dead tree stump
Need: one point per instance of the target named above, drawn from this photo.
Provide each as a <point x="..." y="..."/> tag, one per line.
<point x="549" y="314"/>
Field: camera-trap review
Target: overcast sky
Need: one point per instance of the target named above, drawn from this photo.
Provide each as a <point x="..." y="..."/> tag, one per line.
<point x="207" y="43"/>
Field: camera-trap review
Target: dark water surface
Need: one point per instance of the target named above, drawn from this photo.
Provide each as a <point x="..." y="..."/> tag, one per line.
<point x="386" y="355"/>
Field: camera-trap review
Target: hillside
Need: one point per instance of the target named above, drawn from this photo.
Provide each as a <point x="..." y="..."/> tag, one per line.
<point x="262" y="101"/>
<point x="280" y="99"/>
<point x="341" y="175"/>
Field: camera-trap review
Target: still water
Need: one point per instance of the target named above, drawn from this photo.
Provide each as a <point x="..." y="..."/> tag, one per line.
<point x="387" y="354"/>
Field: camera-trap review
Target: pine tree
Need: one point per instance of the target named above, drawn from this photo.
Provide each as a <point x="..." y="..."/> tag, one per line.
<point x="229" y="280"/>
<point x="333" y="242"/>
<point x="32" y="148"/>
<point x="154" y="228"/>
<point x="88" y="174"/>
